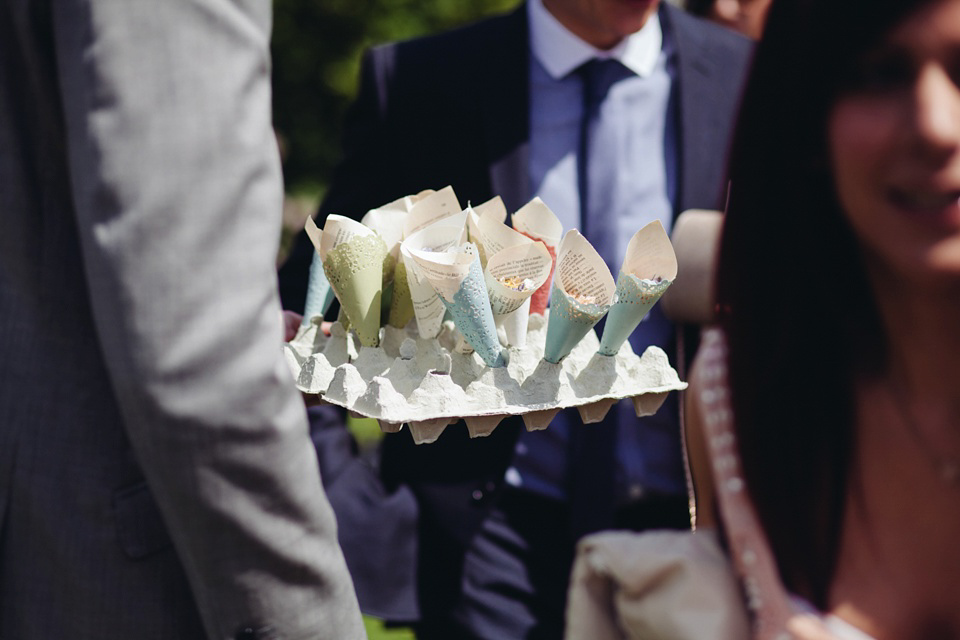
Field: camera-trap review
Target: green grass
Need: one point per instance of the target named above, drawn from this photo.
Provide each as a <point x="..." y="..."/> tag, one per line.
<point x="376" y="631"/>
<point x="365" y="430"/>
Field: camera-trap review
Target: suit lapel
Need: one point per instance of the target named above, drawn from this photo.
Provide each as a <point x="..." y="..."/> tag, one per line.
<point x="701" y="134"/>
<point x="504" y="93"/>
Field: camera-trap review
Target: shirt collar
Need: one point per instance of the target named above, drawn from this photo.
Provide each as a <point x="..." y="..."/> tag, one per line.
<point x="560" y="51"/>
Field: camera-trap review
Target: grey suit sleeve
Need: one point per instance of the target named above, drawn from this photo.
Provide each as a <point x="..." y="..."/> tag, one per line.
<point x="176" y="180"/>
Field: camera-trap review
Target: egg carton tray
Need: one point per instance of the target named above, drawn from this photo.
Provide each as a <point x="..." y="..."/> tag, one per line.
<point x="428" y="384"/>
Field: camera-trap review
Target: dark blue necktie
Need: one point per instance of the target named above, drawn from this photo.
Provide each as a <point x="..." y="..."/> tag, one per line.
<point x="593" y="460"/>
<point x="597" y="156"/>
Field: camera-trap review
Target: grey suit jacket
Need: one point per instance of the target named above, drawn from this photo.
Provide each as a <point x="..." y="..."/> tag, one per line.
<point x="142" y="388"/>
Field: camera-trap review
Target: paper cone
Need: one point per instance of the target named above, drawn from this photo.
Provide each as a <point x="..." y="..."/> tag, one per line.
<point x="635" y="297"/>
<point x="401" y="306"/>
<point x="569" y="323"/>
<point x="430" y="209"/>
<point x="512" y="276"/>
<point x="470" y="308"/>
<point x="389" y="266"/>
<point x="443" y="234"/>
<point x="388" y="220"/>
<point x="319" y="292"/>
<point x="648" y="269"/>
<point x="515" y="325"/>
<point x="355" y="270"/>
<point x="540" y="297"/>
<point x="342" y="319"/>
<point x="493" y="207"/>
<point x="537" y="221"/>
<point x="582" y="292"/>
<point x="514" y="273"/>
<point x="427" y="306"/>
<point x="488" y="231"/>
<point x="457" y="277"/>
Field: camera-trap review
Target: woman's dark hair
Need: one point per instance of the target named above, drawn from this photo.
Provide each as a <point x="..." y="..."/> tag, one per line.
<point x="794" y="299"/>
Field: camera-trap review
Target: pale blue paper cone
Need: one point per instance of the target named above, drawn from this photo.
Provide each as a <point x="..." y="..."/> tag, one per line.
<point x="634" y="299"/>
<point x="319" y="292"/>
<point x="474" y="318"/>
<point x="569" y="323"/>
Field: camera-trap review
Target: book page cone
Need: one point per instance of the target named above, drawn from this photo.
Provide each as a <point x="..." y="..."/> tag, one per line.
<point x="535" y="220"/>
<point x="512" y="276"/>
<point x="582" y="292"/>
<point x="648" y="269"/>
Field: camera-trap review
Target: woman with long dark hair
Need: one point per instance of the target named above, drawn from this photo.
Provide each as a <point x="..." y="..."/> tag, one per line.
<point x="837" y="361"/>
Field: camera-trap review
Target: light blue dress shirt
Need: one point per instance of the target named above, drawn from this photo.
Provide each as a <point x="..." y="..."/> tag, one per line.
<point x="648" y="456"/>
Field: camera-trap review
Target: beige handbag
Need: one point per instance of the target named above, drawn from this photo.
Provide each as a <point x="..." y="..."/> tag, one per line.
<point x="657" y="585"/>
<point x="681" y="585"/>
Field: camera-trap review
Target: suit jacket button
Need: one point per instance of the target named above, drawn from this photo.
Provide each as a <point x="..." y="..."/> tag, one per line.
<point x="477" y="495"/>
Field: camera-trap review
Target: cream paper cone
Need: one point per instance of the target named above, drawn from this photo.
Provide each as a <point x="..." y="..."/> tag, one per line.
<point x="388" y="220"/>
<point x="353" y="258"/>
<point x="431" y="208"/>
<point x="535" y="220"/>
<point x="493" y="207"/>
<point x="491" y="235"/>
<point x="515" y="325"/>
<point x="443" y="234"/>
<point x="427" y="306"/>
<point x="648" y="269"/>
<point x="512" y="276"/>
<point x="582" y="292"/>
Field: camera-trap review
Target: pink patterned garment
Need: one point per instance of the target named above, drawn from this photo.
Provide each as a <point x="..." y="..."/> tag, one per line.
<point x="769" y="602"/>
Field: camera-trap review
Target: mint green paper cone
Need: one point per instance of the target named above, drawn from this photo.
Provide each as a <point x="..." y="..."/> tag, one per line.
<point x="474" y="318"/>
<point x="634" y="299"/>
<point x="569" y="322"/>
<point x="319" y="292"/>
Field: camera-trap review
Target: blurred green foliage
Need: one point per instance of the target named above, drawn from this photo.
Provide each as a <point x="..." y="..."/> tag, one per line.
<point x="317" y="46"/>
<point x="376" y="630"/>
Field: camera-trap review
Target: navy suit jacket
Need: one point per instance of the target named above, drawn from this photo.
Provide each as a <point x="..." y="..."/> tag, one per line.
<point x="453" y="109"/>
